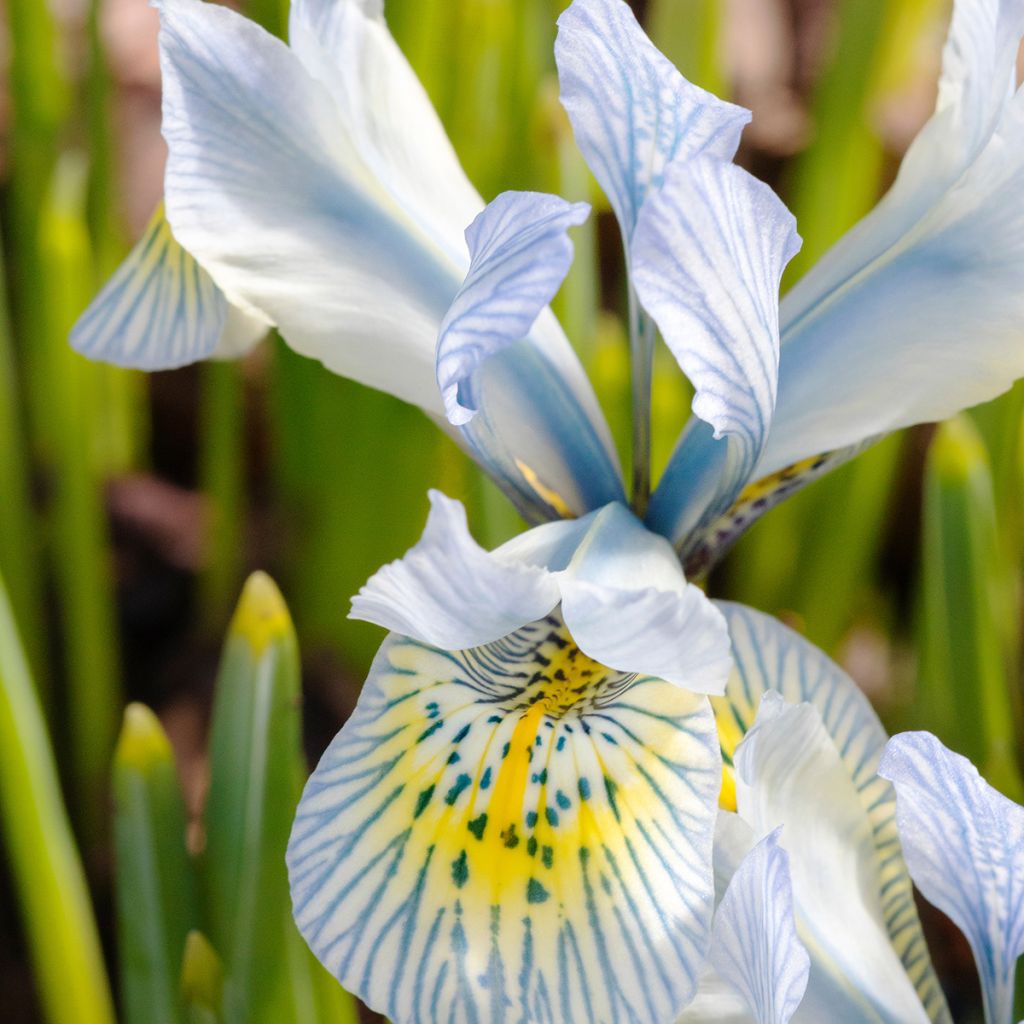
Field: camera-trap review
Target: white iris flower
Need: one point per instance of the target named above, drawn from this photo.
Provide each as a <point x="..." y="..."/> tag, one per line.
<point x="518" y="823"/>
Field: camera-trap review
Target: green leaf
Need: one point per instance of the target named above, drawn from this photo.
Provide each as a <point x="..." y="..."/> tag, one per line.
<point x="156" y="899"/>
<point x="202" y="981"/>
<point x="967" y="600"/>
<point x="256" y="771"/>
<point x="47" y="871"/>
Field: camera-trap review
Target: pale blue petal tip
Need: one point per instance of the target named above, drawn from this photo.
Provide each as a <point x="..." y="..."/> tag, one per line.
<point x="755" y="946"/>
<point x="964" y="845"/>
<point x="159" y="310"/>
<point x="631" y="111"/>
<point x="520" y="254"/>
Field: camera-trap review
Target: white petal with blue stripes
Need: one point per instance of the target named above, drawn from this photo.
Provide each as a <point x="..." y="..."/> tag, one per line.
<point x="964" y="843"/>
<point x="512" y="833"/>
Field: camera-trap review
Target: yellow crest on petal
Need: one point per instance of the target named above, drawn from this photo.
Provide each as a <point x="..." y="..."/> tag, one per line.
<point x="513" y="832"/>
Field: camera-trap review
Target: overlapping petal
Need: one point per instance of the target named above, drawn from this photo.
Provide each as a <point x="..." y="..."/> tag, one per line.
<point x="770" y="657"/>
<point x="450" y="592"/>
<point x="916" y="313"/>
<point x="520" y="254"/>
<point x="511" y="833"/>
<point x="964" y="843"/>
<point x="754" y="944"/>
<point x="789" y="772"/>
<point x="708" y="254"/>
<point x="268" y="190"/>
<point x="632" y="112"/>
<point x="623" y="597"/>
<point x="161" y="309"/>
<point x="306" y="182"/>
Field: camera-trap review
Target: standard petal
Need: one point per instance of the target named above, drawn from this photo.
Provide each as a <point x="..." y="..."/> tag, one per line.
<point x="520" y="253"/>
<point x="511" y="833"/>
<point x="158" y="311"/>
<point x="789" y="772"/>
<point x="708" y="254"/>
<point x="631" y="110"/>
<point x="917" y="312"/>
<point x="964" y="843"/>
<point x="769" y="656"/>
<point x="449" y="592"/>
<point x="754" y="944"/>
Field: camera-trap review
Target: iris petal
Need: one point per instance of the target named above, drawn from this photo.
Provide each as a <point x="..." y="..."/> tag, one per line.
<point x="631" y="110"/>
<point x="622" y="594"/>
<point x="520" y="254"/>
<point x="873" y="338"/>
<point x="789" y="771"/>
<point x="708" y="254"/>
<point x="754" y="944"/>
<point x="161" y="310"/>
<point x="769" y="656"/>
<point x="511" y="833"/>
<point x="964" y="843"/>
<point x="450" y="592"/>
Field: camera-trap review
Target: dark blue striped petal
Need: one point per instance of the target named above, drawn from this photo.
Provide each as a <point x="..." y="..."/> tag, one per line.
<point x="631" y="110"/>
<point x="964" y="842"/>
<point x="707" y="257"/>
<point x="519" y="256"/>
<point x="159" y="310"/>
<point x="770" y="657"/>
<point x="754" y="944"/>
<point x="511" y="833"/>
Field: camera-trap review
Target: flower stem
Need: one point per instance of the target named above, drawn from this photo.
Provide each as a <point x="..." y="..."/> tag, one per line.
<point x="641" y="346"/>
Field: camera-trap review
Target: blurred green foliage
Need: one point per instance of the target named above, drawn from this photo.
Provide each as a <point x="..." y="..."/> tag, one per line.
<point x="908" y="566"/>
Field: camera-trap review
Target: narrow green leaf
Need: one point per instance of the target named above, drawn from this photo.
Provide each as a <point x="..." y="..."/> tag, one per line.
<point x="202" y="981"/>
<point x="45" y="865"/>
<point x="80" y="544"/>
<point x="156" y="898"/>
<point x="256" y="771"/>
<point x="964" y="683"/>
<point x="222" y="477"/>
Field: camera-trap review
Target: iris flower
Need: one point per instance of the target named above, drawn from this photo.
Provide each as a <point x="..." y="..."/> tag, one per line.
<point x="518" y="823"/>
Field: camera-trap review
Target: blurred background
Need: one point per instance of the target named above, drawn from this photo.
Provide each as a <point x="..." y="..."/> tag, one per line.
<point x="133" y="507"/>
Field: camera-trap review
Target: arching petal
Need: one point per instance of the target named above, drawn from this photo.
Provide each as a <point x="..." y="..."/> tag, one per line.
<point x="708" y="255"/>
<point x="916" y="313"/>
<point x="159" y="310"/>
<point x="511" y="833"/>
<point x="754" y="944"/>
<point x="520" y="253"/>
<point x="631" y="110"/>
<point x="387" y="114"/>
<point x="769" y="656"/>
<point x="449" y="592"/>
<point x="275" y="183"/>
<point x="267" y="190"/>
<point x="964" y="843"/>
<point x="789" y="772"/>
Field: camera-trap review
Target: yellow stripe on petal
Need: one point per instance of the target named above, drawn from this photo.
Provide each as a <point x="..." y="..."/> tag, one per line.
<point x="512" y="833"/>
<point x="159" y="310"/>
